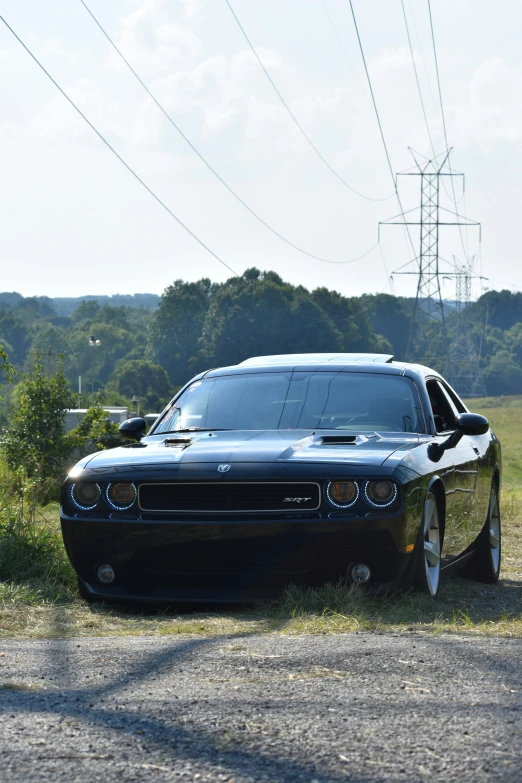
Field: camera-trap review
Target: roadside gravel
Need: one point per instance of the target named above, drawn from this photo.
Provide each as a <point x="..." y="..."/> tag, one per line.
<point x="362" y="707"/>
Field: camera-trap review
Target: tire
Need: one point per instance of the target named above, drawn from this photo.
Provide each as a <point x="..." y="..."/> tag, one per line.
<point x="84" y="593"/>
<point x="428" y="548"/>
<point x="485" y="563"/>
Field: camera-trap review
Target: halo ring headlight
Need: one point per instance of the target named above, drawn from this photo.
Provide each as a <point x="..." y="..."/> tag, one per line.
<point x="342" y="494"/>
<point x="380" y="493"/>
<point x="121" y="495"/>
<point x="85" y="495"/>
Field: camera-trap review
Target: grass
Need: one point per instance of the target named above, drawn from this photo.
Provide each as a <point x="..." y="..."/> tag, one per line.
<point x="38" y="597"/>
<point x="505" y="416"/>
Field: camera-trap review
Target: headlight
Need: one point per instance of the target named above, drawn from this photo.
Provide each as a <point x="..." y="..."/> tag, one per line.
<point x="342" y="494"/>
<point x="380" y="493"/>
<point x="121" y="495"/>
<point x="85" y="496"/>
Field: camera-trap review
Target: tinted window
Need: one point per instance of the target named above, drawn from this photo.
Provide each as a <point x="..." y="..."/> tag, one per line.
<point x="457" y="402"/>
<point x="299" y="400"/>
<point x="442" y="407"/>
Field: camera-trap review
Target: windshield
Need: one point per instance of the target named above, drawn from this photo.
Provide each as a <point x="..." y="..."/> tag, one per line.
<point x="298" y="400"/>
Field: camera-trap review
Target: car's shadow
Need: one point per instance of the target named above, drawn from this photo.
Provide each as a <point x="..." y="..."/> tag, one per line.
<point x="461" y="603"/>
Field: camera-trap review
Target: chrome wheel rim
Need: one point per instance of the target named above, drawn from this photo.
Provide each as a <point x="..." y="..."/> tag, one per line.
<point x="494" y="530"/>
<point x="431" y="542"/>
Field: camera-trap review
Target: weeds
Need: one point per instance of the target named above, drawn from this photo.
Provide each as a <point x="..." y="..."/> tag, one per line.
<point x="33" y="562"/>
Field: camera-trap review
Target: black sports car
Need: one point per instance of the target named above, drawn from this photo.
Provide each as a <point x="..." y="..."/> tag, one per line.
<point x="300" y="469"/>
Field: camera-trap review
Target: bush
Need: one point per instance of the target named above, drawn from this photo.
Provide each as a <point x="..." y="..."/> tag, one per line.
<point x="95" y="432"/>
<point x="35" y="439"/>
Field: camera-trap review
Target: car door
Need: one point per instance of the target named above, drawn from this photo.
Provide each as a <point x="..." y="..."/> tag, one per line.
<point x="444" y="420"/>
<point x="481" y="446"/>
<point x="461" y="528"/>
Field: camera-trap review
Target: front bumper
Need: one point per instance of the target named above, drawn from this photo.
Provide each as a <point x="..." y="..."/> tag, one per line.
<point x="233" y="560"/>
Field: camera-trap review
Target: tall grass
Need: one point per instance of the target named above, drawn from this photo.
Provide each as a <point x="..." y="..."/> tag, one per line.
<point x="33" y="562"/>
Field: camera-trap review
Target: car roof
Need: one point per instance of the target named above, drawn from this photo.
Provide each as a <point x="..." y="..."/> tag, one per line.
<point x="317" y="362"/>
<point x="316" y="358"/>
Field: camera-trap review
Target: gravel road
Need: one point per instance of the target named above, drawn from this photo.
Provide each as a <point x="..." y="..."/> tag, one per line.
<point x="362" y="707"/>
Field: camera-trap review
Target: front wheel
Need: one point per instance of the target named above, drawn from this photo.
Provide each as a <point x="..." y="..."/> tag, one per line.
<point x="485" y="564"/>
<point x="428" y="548"/>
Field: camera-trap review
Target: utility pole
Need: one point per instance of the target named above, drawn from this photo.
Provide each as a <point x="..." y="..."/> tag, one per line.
<point x="93" y="342"/>
<point x="428" y="299"/>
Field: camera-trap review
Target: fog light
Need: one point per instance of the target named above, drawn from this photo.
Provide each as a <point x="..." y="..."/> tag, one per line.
<point x="105" y="574"/>
<point x="360" y="573"/>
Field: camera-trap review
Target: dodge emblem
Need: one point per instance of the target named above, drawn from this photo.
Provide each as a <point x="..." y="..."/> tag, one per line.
<point x="224" y="468"/>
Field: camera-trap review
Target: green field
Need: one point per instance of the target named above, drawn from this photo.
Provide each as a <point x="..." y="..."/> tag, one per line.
<point x="38" y="596"/>
<point x="505" y="417"/>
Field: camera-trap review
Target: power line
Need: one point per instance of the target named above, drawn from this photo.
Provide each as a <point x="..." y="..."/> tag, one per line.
<point x="425" y="67"/>
<point x="394" y="179"/>
<point x="438" y="77"/>
<point x="428" y="81"/>
<point x="423" y="106"/>
<point x="111" y="148"/>
<point x="417" y="79"/>
<point x="294" y="118"/>
<point x="373" y="96"/>
<point x="205" y="161"/>
<point x="443" y="116"/>
<point x="406" y="229"/>
<point x="388" y="276"/>
<point x="343" y="48"/>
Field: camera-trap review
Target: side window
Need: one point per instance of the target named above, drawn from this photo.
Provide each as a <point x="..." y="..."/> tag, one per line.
<point x="442" y="408"/>
<point x="457" y="402"/>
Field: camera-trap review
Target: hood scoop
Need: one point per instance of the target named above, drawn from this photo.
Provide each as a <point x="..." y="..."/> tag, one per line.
<point x="177" y="443"/>
<point x="339" y="440"/>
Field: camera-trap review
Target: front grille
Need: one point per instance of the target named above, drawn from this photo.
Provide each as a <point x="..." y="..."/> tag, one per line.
<point x="221" y="497"/>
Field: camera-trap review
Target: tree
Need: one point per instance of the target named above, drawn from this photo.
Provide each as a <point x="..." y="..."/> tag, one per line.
<point x="7" y="371"/>
<point x="95" y="432"/>
<point x="348" y="317"/>
<point x="17" y="333"/>
<point x="258" y="314"/>
<point x="503" y="375"/>
<point x="177" y="326"/>
<point x="389" y="316"/>
<point x="146" y="380"/>
<point x="35" y="439"/>
<point x="500" y="309"/>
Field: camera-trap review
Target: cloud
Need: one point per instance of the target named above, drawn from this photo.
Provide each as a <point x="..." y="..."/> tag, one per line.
<point x="152" y="41"/>
<point x="493" y="109"/>
<point x="57" y="120"/>
<point x="191" y="8"/>
<point x="72" y="56"/>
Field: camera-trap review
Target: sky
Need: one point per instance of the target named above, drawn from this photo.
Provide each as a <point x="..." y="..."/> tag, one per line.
<point x="74" y="221"/>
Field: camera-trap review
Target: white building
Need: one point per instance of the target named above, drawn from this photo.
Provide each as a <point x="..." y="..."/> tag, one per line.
<point x="73" y="416"/>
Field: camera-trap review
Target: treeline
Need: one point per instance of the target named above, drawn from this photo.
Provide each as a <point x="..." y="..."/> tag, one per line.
<point x="147" y="352"/>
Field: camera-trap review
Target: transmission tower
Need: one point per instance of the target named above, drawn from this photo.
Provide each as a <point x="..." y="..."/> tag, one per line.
<point x="465" y="374"/>
<point x="428" y="299"/>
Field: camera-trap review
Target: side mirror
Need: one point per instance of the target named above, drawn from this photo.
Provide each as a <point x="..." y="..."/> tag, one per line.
<point x="134" y="429"/>
<point x="467" y="424"/>
<point x="472" y="424"/>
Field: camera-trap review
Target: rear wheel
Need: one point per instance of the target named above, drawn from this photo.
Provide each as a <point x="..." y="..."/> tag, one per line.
<point x="485" y="564"/>
<point x="428" y="548"/>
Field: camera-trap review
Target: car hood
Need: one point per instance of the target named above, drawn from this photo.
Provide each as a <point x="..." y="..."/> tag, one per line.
<point x="244" y="446"/>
